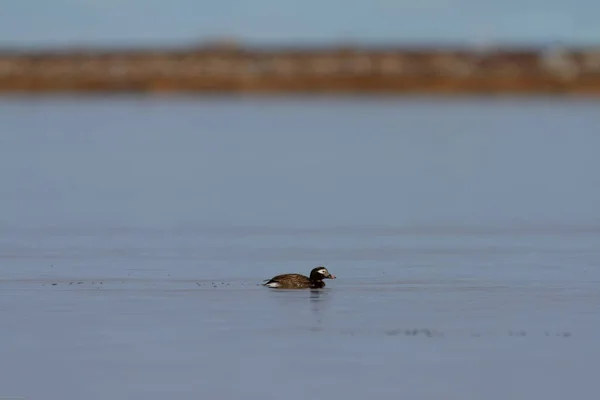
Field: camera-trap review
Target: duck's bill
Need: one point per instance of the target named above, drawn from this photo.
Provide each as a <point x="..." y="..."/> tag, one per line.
<point x="331" y="276"/>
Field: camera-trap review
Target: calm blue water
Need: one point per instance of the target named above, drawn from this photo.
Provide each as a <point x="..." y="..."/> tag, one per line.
<point x="465" y="235"/>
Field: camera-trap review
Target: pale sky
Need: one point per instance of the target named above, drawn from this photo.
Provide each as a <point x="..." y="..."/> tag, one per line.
<point x="126" y="22"/>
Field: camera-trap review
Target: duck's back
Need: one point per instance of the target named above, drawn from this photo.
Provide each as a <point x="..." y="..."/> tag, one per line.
<point x="290" y="281"/>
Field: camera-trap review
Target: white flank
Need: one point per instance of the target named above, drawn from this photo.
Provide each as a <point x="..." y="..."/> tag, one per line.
<point x="273" y="284"/>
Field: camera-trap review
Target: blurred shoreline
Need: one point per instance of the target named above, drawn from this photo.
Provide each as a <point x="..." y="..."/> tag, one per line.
<point x="229" y="68"/>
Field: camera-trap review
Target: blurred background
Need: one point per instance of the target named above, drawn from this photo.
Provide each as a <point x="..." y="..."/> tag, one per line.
<point x="35" y="23"/>
<point x="332" y="46"/>
<point x="160" y="159"/>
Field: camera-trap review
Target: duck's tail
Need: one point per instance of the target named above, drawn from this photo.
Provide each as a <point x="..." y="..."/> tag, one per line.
<point x="271" y="283"/>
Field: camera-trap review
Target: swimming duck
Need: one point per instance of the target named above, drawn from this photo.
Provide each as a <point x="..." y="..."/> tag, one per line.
<point x="297" y="281"/>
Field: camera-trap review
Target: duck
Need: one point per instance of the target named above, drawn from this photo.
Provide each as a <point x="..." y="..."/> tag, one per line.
<point x="298" y="281"/>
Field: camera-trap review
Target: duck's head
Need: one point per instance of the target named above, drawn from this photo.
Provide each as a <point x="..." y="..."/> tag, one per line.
<point x="320" y="273"/>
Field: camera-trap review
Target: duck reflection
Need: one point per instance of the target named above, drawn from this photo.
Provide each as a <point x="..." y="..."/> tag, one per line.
<point x="320" y="300"/>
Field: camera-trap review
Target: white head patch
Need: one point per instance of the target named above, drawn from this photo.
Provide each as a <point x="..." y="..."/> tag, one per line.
<point x="323" y="271"/>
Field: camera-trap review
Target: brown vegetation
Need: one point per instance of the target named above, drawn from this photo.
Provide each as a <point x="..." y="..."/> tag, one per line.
<point x="342" y="70"/>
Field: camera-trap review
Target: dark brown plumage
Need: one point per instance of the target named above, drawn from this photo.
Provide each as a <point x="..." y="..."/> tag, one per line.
<point x="297" y="281"/>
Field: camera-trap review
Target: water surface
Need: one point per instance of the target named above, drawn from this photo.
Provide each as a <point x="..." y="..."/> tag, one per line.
<point x="134" y="232"/>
